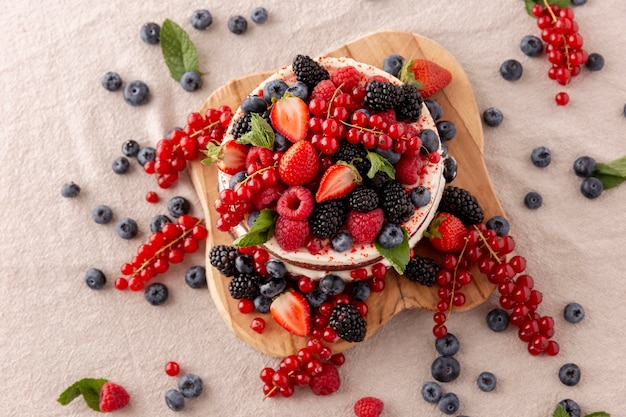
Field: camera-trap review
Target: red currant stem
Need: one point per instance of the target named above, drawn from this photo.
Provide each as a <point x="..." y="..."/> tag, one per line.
<point x="554" y="19"/>
<point x="260" y="171"/>
<point x="454" y="275"/>
<point x="266" y="396"/>
<point x="330" y="104"/>
<point x="207" y="127"/>
<point x="484" y="239"/>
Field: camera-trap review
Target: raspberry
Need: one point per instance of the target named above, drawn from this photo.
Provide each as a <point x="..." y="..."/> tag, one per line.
<point x="113" y="397"/>
<point x="261" y="156"/>
<point x="346" y="77"/>
<point x="296" y="203"/>
<point x="291" y="234"/>
<point x="267" y="197"/>
<point x="327" y="381"/>
<point x="364" y="227"/>
<point x="324" y="90"/>
<point x="368" y="407"/>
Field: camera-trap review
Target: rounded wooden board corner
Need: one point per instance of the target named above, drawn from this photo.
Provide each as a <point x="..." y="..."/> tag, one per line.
<point x="459" y="105"/>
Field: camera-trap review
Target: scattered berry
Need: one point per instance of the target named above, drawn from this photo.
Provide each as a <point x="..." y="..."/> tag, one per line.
<point x="177" y="206"/>
<point x="172" y="368"/>
<point x="152" y="197"/>
<point x="595" y="62"/>
<point x="157" y="223"/>
<point x="541" y="156"/>
<point x="111" y="81"/>
<point x="431" y="392"/>
<point x="130" y="148"/>
<point x="578" y="2"/>
<point x="498" y="224"/>
<point x="486" y="381"/>
<point x="150" y="32"/>
<point x="126" y="228"/>
<point x="257" y="324"/>
<point x="584" y="166"/>
<point x="511" y="70"/>
<point x="446" y="130"/>
<point x="136" y="93"/>
<point x="571" y="407"/>
<point x="113" y="397"/>
<point x="368" y="407"/>
<point x="573" y="313"/>
<point x="259" y="15"/>
<point x="195" y="277"/>
<point x="174" y="400"/>
<point x="120" y="165"/>
<point x="145" y="155"/>
<point x="561" y="98"/>
<point x="70" y="190"/>
<point x="102" y="214"/>
<point x="591" y="187"/>
<point x="327" y="381"/>
<point x="448" y="345"/>
<point x="191" y="81"/>
<point x="95" y="279"/>
<point x="498" y="320"/>
<point x="201" y="19"/>
<point x="569" y="374"/>
<point x="493" y="117"/>
<point x="445" y="368"/>
<point x="190" y="385"/>
<point x="448" y="403"/>
<point x="533" y="200"/>
<point x="156" y="294"/>
<point x="531" y="45"/>
<point x="237" y="24"/>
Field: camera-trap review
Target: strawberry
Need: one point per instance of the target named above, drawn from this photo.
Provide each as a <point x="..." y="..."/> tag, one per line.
<point x="113" y="397"/>
<point x="299" y="164"/>
<point x="407" y="170"/>
<point x="368" y="407"/>
<point x="426" y="75"/>
<point x="337" y="182"/>
<point x="229" y="157"/>
<point x="291" y="311"/>
<point x="364" y="227"/>
<point x="447" y="233"/>
<point x="290" y="117"/>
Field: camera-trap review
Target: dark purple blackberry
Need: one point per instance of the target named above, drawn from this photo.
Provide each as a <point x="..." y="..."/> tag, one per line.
<point x="462" y="204"/>
<point x="363" y="199"/>
<point x="244" y="286"/>
<point x="309" y="71"/>
<point x="410" y="105"/>
<point x="395" y="202"/>
<point x="242" y="125"/>
<point x="353" y="154"/>
<point x="378" y="180"/>
<point x="348" y="323"/>
<point x="328" y="217"/>
<point x="381" y="95"/>
<point x="222" y="257"/>
<point x="422" y="270"/>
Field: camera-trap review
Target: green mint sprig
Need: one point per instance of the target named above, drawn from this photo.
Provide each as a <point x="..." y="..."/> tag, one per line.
<point x="179" y="52"/>
<point x="562" y="412"/>
<point x="531" y="3"/>
<point x="261" y="231"/>
<point x="611" y="173"/>
<point x="260" y="134"/>
<point x="398" y="256"/>
<point x="380" y="163"/>
<point x="89" y="388"/>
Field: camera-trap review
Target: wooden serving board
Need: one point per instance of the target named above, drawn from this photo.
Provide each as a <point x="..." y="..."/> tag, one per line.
<point x="457" y="101"/>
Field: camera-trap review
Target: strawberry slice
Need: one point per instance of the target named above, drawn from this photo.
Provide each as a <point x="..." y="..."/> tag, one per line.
<point x="290" y="117"/>
<point x="229" y="157"/>
<point x="291" y="311"/>
<point x="337" y="182"/>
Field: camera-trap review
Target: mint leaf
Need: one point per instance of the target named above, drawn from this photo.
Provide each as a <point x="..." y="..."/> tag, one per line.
<point x="260" y="134"/>
<point x="560" y="3"/>
<point x="89" y="388"/>
<point x="380" y="163"/>
<point x="399" y="256"/>
<point x="261" y="231"/>
<point x="560" y="412"/>
<point x="609" y="181"/>
<point x="529" y="6"/>
<point x="615" y="167"/>
<point x="178" y="50"/>
<point x="598" y="414"/>
<point x="213" y="154"/>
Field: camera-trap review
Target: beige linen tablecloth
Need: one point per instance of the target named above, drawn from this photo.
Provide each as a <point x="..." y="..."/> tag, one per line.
<point x="60" y="125"/>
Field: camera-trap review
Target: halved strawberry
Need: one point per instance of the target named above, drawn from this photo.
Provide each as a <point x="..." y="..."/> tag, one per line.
<point x="447" y="233"/>
<point x="290" y="117"/>
<point x="292" y="311"/>
<point x="229" y="157"/>
<point x="337" y="182"/>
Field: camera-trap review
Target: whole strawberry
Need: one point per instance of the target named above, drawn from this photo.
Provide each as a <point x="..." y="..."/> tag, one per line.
<point x="447" y="233"/>
<point x="99" y="394"/>
<point x="426" y="75"/>
<point x="299" y="164"/>
<point x="368" y="407"/>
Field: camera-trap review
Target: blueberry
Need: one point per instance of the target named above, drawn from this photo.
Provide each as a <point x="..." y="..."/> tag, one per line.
<point x="190" y="385"/>
<point x="175" y="400"/>
<point x="274" y="89"/>
<point x="244" y="264"/>
<point x="569" y="374"/>
<point x="254" y="104"/>
<point x="316" y="297"/>
<point x="126" y="228"/>
<point x="393" y="64"/>
<point x="389" y="154"/>
<point x="111" y="81"/>
<point x="434" y="108"/>
<point x="95" y="279"/>
<point x="573" y="313"/>
<point x="236" y="179"/>
<point x="445" y="368"/>
<point x="531" y="45"/>
<point x="272" y="287"/>
<point x="201" y="19"/>
<point x="486" y="381"/>
<point x="252" y="217"/>
<point x="177" y="206"/>
<point x="331" y="284"/>
<point x="448" y="403"/>
<point x="450" y="169"/>
<point x="390" y="236"/>
<point x="136" y="93"/>
<point x="191" y="81"/>
<point x="511" y="70"/>
<point x="275" y="268"/>
<point x="130" y="148"/>
<point x="262" y="304"/>
<point x="497" y="320"/>
<point x="157" y="222"/>
<point x="541" y="156"/>
<point x="430" y="140"/>
<point x="299" y="89"/>
<point x="578" y="2"/>
<point x="146" y="154"/>
<point x="444" y="150"/>
<point x="595" y="62"/>
<point x="498" y="224"/>
<point x="591" y="187"/>
<point x="150" y="32"/>
<point x="493" y="117"/>
<point x="195" y="277"/>
<point x="361" y="290"/>
<point x="431" y="392"/>
<point x="533" y="200"/>
<point x="156" y="294"/>
<point x="120" y="165"/>
<point x="571" y="407"/>
<point x="237" y="24"/>
<point x="259" y="15"/>
<point x="70" y="190"/>
<point x="448" y="345"/>
<point x="281" y="144"/>
<point x="624" y="110"/>
<point x="584" y="166"/>
<point x="341" y="242"/>
<point x="446" y="130"/>
<point x="102" y="214"/>
<point x="420" y="196"/>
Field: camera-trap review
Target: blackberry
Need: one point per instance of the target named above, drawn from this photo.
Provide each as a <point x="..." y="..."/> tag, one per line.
<point x="379" y="179"/>
<point x="395" y="202"/>
<point x="309" y="71"/>
<point x="348" y="323"/>
<point x="222" y="257"/>
<point x="242" y="125"/>
<point x="353" y="154"/>
<point x="328" y="217"/>
<point x="244" y="286"/>
<point x="410" y="105"/>
<point x="363" y="199"/>
<point x="422" y="270"/>
<point x="462" y="204"/>
<point x="381" y="95"/>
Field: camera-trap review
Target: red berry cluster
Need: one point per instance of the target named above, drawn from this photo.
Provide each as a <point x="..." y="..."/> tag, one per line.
<point x="490" y="252"/>
<point x="164" y="247"/>
<point x="173" y="152"/>
<point x="564" y="44"/>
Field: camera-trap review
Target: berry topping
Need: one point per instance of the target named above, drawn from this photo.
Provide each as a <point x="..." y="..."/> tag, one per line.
<point x="430" y="76"/>
<point x="308" y="71"/>
<point x="292" y="312"/>
<point x="393" y="64"/>
<point x="395" y="202"/>
<point x="327" y="381"/>
<point x="365" y="227"/>
<point x="338" y="181"/>
<point x="348" y="323"/>
<point x="347" y="77"/>
<point x="244" y="286"/>
<point x="447" y="233"/>
<point x="368" y="407"/>
<point x="324" y="90"/>
<point x="291" y="234"/>
<point x="381" y="95"/>
<point x="190" y="385"/>
<point x="462" y="204"/>
<point x="290" y="117"/>
<point x="229" y="158"/>
<point x="296" y="203"/>
<point x="409" y="105"/>
<point x="422" y="270"/>
<point x="363" y="199"/>
<point x="299" y="164"/>
<point x="408" y="169"/>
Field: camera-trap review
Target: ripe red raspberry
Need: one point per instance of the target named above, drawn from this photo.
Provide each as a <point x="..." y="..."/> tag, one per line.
<point x="291" y="234"/>
<point x="368" y="407"/>
<point x="364" y="227"/>
<point x="267" y="197"/>
<point x="408" y="170"/>
<point x="296" y="203"/>
<point x="346" y="77"/>
<point x="388" y="116"/>
<point x="263" y="157"/>
<point x="113" y="397"/>
<point x="325" y="90"/>
<point x="327" y="381"/>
